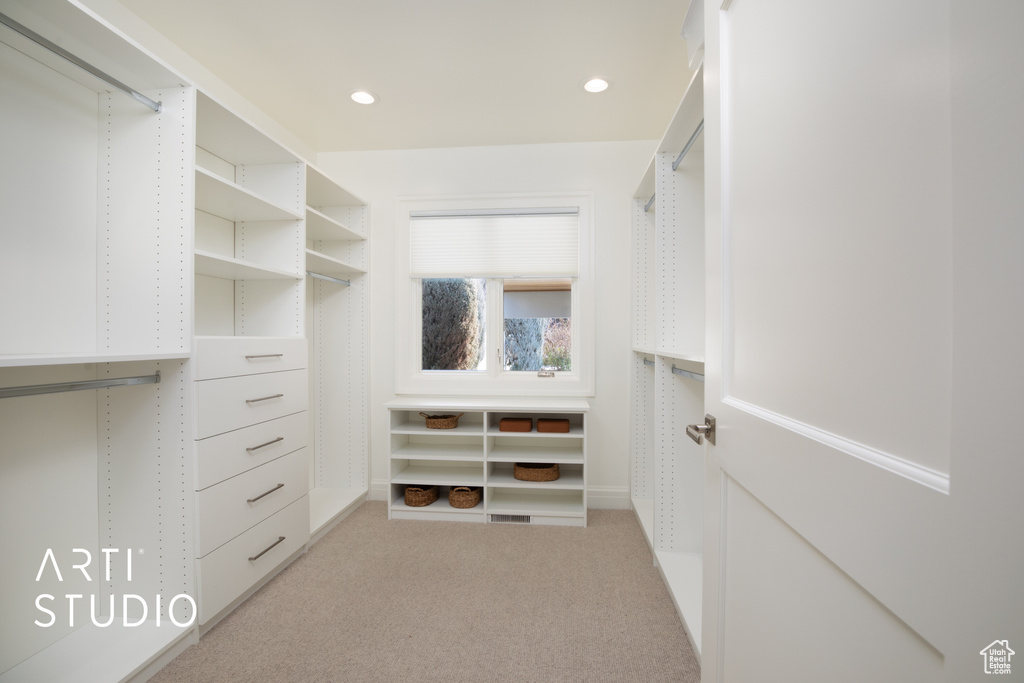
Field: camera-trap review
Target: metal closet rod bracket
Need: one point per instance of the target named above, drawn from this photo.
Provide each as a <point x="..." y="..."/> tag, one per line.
<point x="59" y="387"/>
<point x="328" y="278"/>
<point x="85" y="66"/>
<point x="687" y="373"/>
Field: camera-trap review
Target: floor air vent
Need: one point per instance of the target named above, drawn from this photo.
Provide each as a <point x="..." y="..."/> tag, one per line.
<point x="511" y="519"/>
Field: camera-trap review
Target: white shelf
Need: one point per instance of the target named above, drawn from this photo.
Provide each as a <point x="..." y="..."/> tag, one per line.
<point x="91" y="653"/>
<point x="440" y="505"/>
<point x="33" y="359"/>
<point x="683" y="573"/>
<point x="228" y="200"/>
<point x="229" y="268"/>
<point x="322" y="191"/>
<point x="449" y="404"/>
<point x="575" y="432"/>
<point x="469" y="429"/>
<point x="420" y="473"/>
<point x="322" y="227"/>
<point x="326" y="265"/>
<point x="325" y="504"/>
<point x="438" y="451"/>
<point x="572" y="479"/>
<point x="523" y="502"/>
<point x="526" y="453"/>
<point x="236" y="141"/>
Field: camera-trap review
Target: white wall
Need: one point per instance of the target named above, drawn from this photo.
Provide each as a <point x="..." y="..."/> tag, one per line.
<point x="610" y="170"/>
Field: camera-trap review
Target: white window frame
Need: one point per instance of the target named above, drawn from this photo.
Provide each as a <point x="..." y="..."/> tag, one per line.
<point x="411" y="379"/>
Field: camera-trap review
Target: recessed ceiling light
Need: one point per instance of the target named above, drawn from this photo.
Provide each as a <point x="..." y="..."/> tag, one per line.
<point x="596" y="85"/>
<point x="363" y="96"/>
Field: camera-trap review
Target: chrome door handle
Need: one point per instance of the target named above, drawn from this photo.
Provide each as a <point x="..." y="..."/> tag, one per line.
<point x="699" y="432"/>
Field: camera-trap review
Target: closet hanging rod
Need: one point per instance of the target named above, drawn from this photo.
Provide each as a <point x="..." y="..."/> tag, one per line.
<point x="648" y="362"/>
<point x="58" y="387"/>
<point x="689" y="144"/>
<point x="328" y="278"/>
<point x="85" y="66"/>
<point x="647" y="206"/>
<point x="687" y="373"/>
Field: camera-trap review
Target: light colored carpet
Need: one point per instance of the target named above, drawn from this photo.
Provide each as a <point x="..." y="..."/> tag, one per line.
<point x="378" y="600"/>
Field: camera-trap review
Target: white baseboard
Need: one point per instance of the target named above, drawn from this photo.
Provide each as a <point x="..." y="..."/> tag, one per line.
<point x="608" y="498"/>
<point x="380" y="489"/>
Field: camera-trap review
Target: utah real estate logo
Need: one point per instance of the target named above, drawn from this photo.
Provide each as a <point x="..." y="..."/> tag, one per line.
<point x="997" y="657"/>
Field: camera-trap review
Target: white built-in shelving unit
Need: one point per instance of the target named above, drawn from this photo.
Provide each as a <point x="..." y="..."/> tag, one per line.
<point x="337" y="316"/>
<point x="96" y="269"/>
<point x="251" y="377"/>
<point x="166" y="245"/>
<point x="667" y="391"/>
<point x="478" y="454"/>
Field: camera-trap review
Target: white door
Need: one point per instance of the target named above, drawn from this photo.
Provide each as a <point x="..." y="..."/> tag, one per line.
<point x="865" y="352"/>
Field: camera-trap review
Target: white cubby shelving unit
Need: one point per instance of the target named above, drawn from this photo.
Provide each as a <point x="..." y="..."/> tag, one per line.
<point x="96" y="266"/>
<point x="478" y="453"/>
<point x="667" y="391"/>
<point x="337" y="316"/>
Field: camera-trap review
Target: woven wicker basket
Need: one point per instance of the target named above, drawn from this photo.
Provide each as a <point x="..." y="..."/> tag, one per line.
<point x="464" y="496"/>
<point x="418" y="496"/>
<point x="442" y="421"/>
<point x="533" y="471"/>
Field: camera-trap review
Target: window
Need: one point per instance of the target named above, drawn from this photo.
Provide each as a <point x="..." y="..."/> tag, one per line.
<point x="495" y="300"/>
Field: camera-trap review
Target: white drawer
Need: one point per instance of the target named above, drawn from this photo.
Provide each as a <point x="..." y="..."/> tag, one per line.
<point x="234" y="567"/>
<point x="225" y="455"/>
<point x="242" y="502"/>
<point x="235" y="402"/>
<point x="233" y="356"/>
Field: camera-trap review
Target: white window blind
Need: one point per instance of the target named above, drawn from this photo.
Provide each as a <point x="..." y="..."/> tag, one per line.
<point x="506" y="245"/>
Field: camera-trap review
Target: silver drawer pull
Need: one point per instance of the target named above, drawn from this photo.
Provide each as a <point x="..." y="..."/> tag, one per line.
<point x="264" y="445"/>
<point x="267" y="549"/>
<point x="253" y="500"/>
<point x="250" y="401"/>
<point x="265" y="355"/>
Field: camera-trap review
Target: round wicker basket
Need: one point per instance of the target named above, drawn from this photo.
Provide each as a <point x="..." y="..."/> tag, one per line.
<point x="534" y="471"/>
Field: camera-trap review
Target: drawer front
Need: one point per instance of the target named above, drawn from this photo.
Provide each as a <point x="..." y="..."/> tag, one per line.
<point x="233" y="356"/>
<point x="228" y="572"/>
<point x="235" y="402"/>
<point x="223" y="456"/>
<point x="242" y="502"/>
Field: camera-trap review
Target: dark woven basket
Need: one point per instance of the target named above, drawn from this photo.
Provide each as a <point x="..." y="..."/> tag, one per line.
<point x="464" y="496"/>
<point x="442" y="421"/>
<point x="418" y="496"/>
<point x="535" y="471"/>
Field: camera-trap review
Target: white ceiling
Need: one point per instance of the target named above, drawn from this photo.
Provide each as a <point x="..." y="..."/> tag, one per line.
<point x="448" y="73"/>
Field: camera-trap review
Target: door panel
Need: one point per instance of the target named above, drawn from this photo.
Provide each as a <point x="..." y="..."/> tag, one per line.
<point x="782" y="594"/>
<point x="851" y="230"/>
